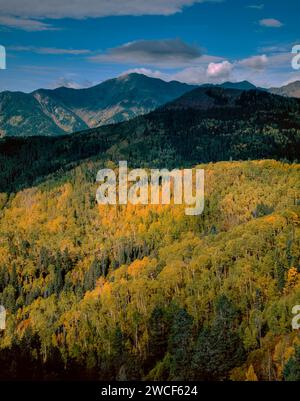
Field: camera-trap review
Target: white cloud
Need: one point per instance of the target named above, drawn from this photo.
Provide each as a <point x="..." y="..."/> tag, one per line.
<point x="50" y="50"/>
<point x="69" y="83"/>
<point x="278" y="48"/>
<point x="25" y="24"/>
<point x="255" y="62"/>
<point x="191" y="75"/>
<point x="256" y="6"/>
<point x="219" y="70"/>
<point x="281" y="60"/>
<point x="149" y="73"/>
<point x="41" y="9"/>
<point x="292" y="78"/>
<point x="197" y="75"/>
<point x="270" y="23"/>
<point x="261" y="70"/>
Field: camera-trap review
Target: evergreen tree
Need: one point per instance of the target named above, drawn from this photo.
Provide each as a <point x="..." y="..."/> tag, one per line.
<point x="218" y="348"/>
<point x="291" y="370"/>
<point x="179" y="346"/>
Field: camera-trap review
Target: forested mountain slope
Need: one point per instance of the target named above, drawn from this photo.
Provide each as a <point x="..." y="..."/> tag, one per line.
<point x="136" y="292"/>
<point x="66" y="110"/>
<point x="206" y="124"/>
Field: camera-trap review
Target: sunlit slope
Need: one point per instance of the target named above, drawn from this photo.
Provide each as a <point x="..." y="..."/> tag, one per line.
<point x="145" y="291"/>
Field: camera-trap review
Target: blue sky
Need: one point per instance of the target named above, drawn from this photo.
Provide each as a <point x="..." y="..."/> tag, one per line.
<point x="79" y="43"/>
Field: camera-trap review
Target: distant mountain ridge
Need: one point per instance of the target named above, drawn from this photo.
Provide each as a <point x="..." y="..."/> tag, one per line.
<point x="206" y="97"/>
<point x="290" y="90"/>
<point x="66" y="110"/>
<point x="207" y="124"/>
<point x="53" y="112"/>
<point x="242" y="85"/>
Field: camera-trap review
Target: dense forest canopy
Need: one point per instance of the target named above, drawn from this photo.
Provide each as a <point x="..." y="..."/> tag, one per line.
<point x="146" y="292"/>
<point x="135" y="292"/>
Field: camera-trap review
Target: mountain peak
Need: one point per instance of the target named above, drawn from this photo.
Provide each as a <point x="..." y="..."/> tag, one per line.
<point x="65" y="110"/>
<point x="243" y="85"/>
<point x="292" y="89"/>
<point x="128" y="75"/>
<point x="133" y="76"/>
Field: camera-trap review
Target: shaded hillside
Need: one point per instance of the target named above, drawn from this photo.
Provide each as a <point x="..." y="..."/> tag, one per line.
<point x="117" y="99"/>
<point x="65" y="110"/>
<point x="207" y="124"/>
<point x="22" y="115"/>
